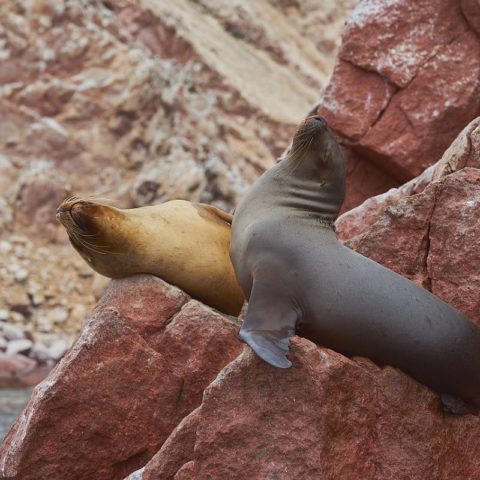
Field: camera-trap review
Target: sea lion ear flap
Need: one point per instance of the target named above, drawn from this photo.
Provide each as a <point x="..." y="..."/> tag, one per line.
<point x="214" y="213"/>
<point x="268" y="326"/>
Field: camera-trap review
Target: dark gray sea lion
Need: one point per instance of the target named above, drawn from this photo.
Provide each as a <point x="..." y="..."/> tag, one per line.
<point x="299" y="278"/>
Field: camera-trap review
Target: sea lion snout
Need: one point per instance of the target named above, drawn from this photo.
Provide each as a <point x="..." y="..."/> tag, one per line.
<point x="75" y="213"/>
<point x="82" y="215"/>
<point x="319" y="119"/>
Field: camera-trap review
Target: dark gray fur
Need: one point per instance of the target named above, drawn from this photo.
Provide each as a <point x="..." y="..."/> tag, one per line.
<point x="299" y="278"/>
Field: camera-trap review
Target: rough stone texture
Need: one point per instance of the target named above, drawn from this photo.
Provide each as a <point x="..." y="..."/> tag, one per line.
<point x="175" y="452"/>
<point x="463" y="152"/>
<point x="139" y="102"/>
<point x="126" y="351"/>
<point x="328" y="417"/>
<point x="471" y="10"/>
<point x="364" y="180"/>
<point x="407" y="81"/>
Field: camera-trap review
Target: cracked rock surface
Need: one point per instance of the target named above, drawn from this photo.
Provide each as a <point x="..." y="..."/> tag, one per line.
<point x="406" y="82"/>
<point x="141" y="364"/>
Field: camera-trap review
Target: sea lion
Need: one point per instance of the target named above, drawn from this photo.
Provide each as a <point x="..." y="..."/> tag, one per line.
<point x="183" y="243"/>
<point x="299" y="277"/>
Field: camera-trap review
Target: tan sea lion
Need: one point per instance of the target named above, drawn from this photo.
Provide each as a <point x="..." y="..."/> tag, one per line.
<point x="299" y="278"/>
<point x="184" y="243"/>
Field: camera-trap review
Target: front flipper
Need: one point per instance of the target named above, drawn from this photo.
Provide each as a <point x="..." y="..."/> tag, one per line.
<point x="268" y="325"/>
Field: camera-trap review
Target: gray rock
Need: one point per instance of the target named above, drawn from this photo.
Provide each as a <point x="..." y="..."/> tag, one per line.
<point x="136" y="475"/>
<point x="58" y="349"/>
<point x="21" y="345"/>
<point x="11" y="332"/>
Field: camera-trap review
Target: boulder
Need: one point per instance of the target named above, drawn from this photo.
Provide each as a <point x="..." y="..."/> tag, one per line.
<point x="143" y="359"/>
<point x="406" y="82"/>
<point x="463" y="152"/>
<point x="328" y="417"/>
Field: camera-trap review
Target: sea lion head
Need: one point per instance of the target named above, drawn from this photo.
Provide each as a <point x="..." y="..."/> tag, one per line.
<point x="92" y="229"/>
<point x="315" y="163"/>
<point x="315" y="145"/>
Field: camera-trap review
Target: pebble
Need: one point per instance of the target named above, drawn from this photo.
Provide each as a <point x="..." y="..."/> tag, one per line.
<point x="58" y="349"/>
<point x="19" y="346"/>
<point x="10" y="332"/>
<point x="17" y="317"/>
<point x="17" y="298"/>
<point x="43" y="353"/>
<point x="5" y="247"/>
<point x="3" y="343"/>
<point x="57" y="315"/>
<point x="4" y="314"/>
<point x="43" y="325"/>
<point x="21" y="274"/>
<point x="40" y="352"/>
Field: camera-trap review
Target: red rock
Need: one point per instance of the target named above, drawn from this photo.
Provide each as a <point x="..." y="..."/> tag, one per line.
<point x="407" y="80"/>
<point x="453" y="254"/>
<point x="175" y="452"/>
<point x="186" y="472"/>
<point x="131" y="349"/>
<point x="196" y="343"/>
<point x="328" y="417"/>
<point x="463" y="152"/>
<point x="352" y="115"/>
<point x="426" y="116"/>
<point x="364" y="180"/>
<point x="471" y="10"/>
<point x="396" y="38"/>
<point x="108" y="431"/>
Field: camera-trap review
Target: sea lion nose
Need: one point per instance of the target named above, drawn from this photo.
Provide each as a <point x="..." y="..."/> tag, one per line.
<point x="320" y="119"/>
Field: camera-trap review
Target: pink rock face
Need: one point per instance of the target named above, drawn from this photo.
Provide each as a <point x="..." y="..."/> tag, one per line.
<point x="425" y="117"/>
<point x="407" y="81"/>
<point x="471" y="10"/>
<point x="122" y="395"/>
<point x="342" y="110"/>
<point x="463" y="152"/>
<point x="364" y="180"/>
<point x="328" y="417"/>
<point x="175" y="452"/>
<point x="395" y="38"/>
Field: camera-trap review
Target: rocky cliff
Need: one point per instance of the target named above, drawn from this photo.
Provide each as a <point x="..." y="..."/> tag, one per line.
<point x="138" y="102"/>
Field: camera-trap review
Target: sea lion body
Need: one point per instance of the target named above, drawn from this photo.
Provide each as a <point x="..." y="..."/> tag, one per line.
<point x="183" y="243"/>
<point x="299" y="277"/>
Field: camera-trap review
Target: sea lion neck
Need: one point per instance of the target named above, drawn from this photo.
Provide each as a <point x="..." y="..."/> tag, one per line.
<point x="314" y="183"/>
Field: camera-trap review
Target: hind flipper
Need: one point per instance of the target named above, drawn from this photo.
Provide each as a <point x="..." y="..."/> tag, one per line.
<point x="268" y="325"/>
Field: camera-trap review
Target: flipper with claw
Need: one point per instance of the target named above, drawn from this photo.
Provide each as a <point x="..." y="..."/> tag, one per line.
<point x="268" y="326"/>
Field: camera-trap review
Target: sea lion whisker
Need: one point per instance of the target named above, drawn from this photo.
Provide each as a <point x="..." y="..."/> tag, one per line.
<point x="90" y="247"/>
